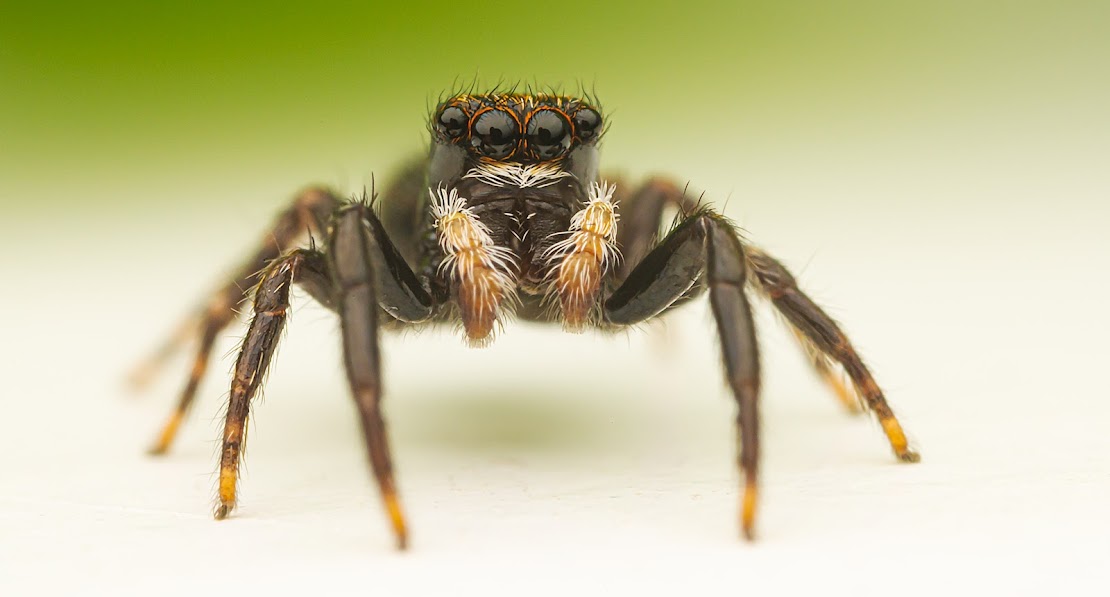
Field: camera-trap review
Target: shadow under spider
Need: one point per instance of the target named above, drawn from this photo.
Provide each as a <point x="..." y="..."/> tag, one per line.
<point x="503" y="422"/>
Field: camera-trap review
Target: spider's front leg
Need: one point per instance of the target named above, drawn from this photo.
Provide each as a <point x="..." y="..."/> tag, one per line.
<point x="642" y="212"/>
<point x="706" y="242"/>
<point x="271" y="306"/>
<point x="361" y="274"/>
<point x="367" y="272"/>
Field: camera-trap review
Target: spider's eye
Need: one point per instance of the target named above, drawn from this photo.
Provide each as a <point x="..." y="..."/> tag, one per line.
<point x="495" y="134"/>
<point x="451" y="121"/>
<point x="587" y="123"/>
<point x="548" y="134"/>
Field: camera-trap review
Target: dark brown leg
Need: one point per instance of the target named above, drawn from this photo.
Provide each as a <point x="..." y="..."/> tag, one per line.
<point x="641" y="217"/>
<point x="271" y="305"/>
<point x="309" y="212"/>
<point x="214" y="321"/>
<point x="706" y="242"/>
<point x="364" y="263"/>
<point x="828" y="372"/>
<point x="822" y="332"/>
<point x="404" y="208"/>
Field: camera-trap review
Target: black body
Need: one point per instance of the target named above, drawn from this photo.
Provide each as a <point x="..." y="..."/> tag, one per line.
<point x="379" y="269"/>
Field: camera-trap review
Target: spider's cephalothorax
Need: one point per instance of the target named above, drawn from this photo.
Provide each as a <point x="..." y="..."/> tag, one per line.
<point x="507" y="211"/>
<point x="516" y="206"/>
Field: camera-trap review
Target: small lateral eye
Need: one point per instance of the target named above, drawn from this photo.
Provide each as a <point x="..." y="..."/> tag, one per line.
<point x="451" y="121"/>
<point x="548" y="134"/>
<point x="587" y="124"/>
<point x="495" y="133"/>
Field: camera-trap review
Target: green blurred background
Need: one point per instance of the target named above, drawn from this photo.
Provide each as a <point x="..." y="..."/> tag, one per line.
<point x="106" y="106"/>
<point x="958" y="145"/>
<point x="936" y="172"/>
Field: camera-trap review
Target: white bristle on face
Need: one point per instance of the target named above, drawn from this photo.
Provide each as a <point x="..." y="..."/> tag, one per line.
<point x="503" y="174"/>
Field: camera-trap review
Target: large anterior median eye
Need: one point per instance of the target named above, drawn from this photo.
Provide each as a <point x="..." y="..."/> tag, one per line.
<point x="451" y="122"/>
<point x="548" y="134"/>
<point x="587" y="124"/>
<point x="495" y="133"/>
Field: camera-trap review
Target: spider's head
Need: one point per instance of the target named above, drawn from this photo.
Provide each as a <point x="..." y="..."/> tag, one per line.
<point x="519" y="138"/>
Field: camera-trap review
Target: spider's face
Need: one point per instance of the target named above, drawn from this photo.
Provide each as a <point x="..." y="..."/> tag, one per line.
<point x="515" y="137"/>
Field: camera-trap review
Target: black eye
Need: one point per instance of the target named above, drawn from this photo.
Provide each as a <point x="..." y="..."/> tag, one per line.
<point x="587" y="123"/>
<point x="548" y="134"/>
<point x="495" y="134"/>
<point x="451" y="121"/>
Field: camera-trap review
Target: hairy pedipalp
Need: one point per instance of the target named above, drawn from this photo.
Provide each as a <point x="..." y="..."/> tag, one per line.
<point x="484" y="271"/>
<point x="578" y="263"/>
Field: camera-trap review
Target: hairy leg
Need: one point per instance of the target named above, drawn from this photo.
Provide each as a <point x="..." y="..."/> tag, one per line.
<point x="368" y="273"/>
<point x="271" y="306"/>
<point x="404" y="208"/>
<point x="310" y="211"/>
<point x="829" y="373"/>
<point x="706" y="242"/>
<point x="641" y="216"/>
<point x="822" y="333"/>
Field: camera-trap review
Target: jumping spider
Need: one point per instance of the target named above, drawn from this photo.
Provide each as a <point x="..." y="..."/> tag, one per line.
<point x="507" y="211"/>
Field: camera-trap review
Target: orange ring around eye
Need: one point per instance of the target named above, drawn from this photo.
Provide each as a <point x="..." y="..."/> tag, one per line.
<point x="597" y="129"/>
<point x="566" y="121"/>
<point x="462" y="106"/>
<point x="496" y="108"/>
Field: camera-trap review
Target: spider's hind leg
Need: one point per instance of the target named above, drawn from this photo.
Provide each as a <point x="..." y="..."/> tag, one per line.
<point x="821" y="335"/>
<point x="825" y="368"/>
<point x="403" y="211"/>
<point x="309" y="212"/>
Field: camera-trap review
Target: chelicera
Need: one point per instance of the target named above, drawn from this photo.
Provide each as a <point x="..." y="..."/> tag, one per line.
<point x="507" y="216"/>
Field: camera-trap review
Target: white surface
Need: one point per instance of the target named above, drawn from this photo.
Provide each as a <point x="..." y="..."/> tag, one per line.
<point x="557" y="464"/>
<point x="974" y="283"/>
